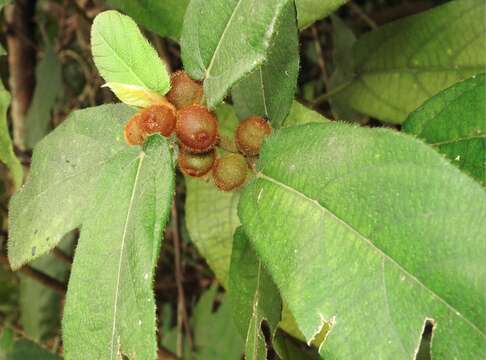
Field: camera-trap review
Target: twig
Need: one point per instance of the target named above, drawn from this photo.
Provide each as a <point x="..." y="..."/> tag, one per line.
<point x="21" y="60"/>
<point x="182" y="319"/>
<point x="61" y="255"/>
<point x="165" y="354"/>
<point x="39" y="276"/>
<point x="358" y="11"/>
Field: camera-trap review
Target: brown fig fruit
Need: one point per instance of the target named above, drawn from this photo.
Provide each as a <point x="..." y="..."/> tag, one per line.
<point x="158" y="119"/>
<point x="197" y="128"/>
<point x="196" y="165"/>
<point x="229" y="171"/>
<point x="250" y="135"/>
<point x="184" y="91"/>
<point x="134" y="135"/>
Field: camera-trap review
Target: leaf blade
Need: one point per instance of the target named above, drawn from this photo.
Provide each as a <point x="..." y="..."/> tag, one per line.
<point x="253" y="297"/>
<point x="7" y="155"/>
<point x="129" y="59"/>
<point x="121" y="268"/>
<point x="66" y="167"/>
<point x="416" y="59"/>
<point x="48" y="76"/>
<point x="309" y="11"/>
<point x="269" y="90"/>
<point x="213" y="46"/>
<point x="351" y="213"/>
<point x="453" y="122"/>
<point x="164" y="18"/>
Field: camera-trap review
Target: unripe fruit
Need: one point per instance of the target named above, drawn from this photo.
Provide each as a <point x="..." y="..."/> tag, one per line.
<point x="230" y="171"/>
<point x="158" y="119"/>
<point x="197" y="128"/>
<point x="132" y="132"/>
<point x="184" y="91"/>
<point x="196" y="165"/>
<point x="250" y="135"/>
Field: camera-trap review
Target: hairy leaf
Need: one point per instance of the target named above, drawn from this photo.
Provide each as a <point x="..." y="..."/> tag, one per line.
<point x="116" y="255"/>
<point x="269" y="90"/>
<point x="374" y="232"/>
<point x="400" y="65"/>
<point x="48" y="75"/>
<point x="66" y="168"/>
<point x="211" y="215"/>
<point x="123" y="55"/>
<point x="454" y="122"/>
<point x="224" y="40"/>
<point x="309" y="11"/>
<point x="162" y="17"/>
<point x="253" y="297"/>
<point x="7" y="155"/>
<point x="300" y="114"/>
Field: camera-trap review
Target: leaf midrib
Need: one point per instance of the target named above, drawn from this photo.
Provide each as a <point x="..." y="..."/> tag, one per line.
<point x="218" y="45"/>
<point x="459" y="140"/>
<point x="123" y="61"/>
<point x="254" y="315"/>
<point x="125" y="227"/>
<point x="385" y="256"/>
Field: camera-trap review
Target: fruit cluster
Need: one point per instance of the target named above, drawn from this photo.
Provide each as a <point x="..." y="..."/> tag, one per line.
<point x="196" y="129"/>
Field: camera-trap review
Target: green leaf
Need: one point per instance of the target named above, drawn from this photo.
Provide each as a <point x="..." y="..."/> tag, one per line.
<point x="454" y="122"/>
<point x="23" y="349"/>
<point x="116" y="255"/>
<point x="123" y="55"/>
<point x="253" y="297"/>
<point x="66" y="168"/>
<point x="48" y="75"/>
<point x="309" y="11"/>
<point x="228" y="122"/>
<point x="215" y="335"/>
<point x="162" y="17"/>
<point x="300" y="114"/>
<point x="224" y="40"/>
<point x="9" y="289"/>
<point x="375" y="232"/>
<point x="400" y="65"/>
<point x="269" y="90"/>
<point x="40" y="319"/>
<point x="289" y="349"/>
<point x="211" y="220"/>
<point x="7" y="155"/>
<point x="343" y="40"/>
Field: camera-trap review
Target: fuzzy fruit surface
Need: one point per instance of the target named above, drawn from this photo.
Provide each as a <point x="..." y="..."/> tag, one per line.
<point x="250" y="135"/>
<point x="229" y="172"/>
<point x="132" y="131"/>
<point x="158" y="119"/>
<point x="197" y="128"/>
<point x="196" y="165"/>
<point x="184" y="91"/>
